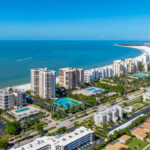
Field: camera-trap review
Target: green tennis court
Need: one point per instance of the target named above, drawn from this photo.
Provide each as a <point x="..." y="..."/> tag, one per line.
<point x="137" y="105"/>
<point x="65" y="102"/>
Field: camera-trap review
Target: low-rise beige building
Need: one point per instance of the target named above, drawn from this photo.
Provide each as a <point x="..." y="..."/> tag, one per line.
<point x="116" y="146"/>
<point x="140" y="133"/>
<point x="146" y="126"/>
<point x="124" y="139"/>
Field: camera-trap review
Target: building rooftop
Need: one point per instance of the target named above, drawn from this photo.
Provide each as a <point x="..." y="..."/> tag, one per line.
<point x="140" y="132"/>
<point x="125" y="138"/>
<point x="43" y="69"/>
<point x="147" y="140"/>
<point x="148" y="120"/>
<point x="70" y="69"/>
<point x="56" y="141"/>
<point x="7" y="91"/>
<point x="116" y="146"/>
<point x="37" y="144"/>
<point x="146" y="125"/>
<point x="106" y="111"/>
<point x="78" y="133"/>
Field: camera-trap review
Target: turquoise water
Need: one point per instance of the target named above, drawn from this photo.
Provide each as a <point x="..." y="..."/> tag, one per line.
<point x="18" y="57"/>
<point x="21" y="110"/>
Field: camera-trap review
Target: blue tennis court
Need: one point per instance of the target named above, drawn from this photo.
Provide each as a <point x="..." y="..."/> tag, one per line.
<point x="96" y="91"/>
<point x="91" y="89"/>
<point x="66" y="101"/>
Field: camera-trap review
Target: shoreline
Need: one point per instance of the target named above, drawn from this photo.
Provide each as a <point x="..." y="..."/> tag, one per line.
<point x="27" y="86"/>
<point x="144" y="49"/>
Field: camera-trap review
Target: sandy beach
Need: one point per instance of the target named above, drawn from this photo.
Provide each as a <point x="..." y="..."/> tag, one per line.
<point x="23" y="86"/>
<point x="27" y="86"/>
<point x="144" y="49"/>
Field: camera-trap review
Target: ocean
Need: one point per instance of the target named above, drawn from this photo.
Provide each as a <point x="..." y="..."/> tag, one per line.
<point x="18" y="57"/>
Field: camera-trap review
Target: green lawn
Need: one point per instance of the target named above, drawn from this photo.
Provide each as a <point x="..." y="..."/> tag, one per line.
<point x="136" y="144"/>
<point x="133" y="101"/>
<point x="137" y="91"/>
<point x="148" y="148"/>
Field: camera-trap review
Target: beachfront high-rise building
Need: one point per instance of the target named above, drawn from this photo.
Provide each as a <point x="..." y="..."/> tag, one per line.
<point x="111" y="114"/>
<point x="104" y="72"/>
<point x="43" y="83"/>
<point x="98" y="73"/>
<point x="89" y="75"/>
<point x="72" y="141"/>
<point x="145" y="58"/>
<point x="130" y="65"/>
<point x="118" y="67"/>
<point x="11" y="97"/>
<point x="146" y="67"/>
<point x="70" y="78"/>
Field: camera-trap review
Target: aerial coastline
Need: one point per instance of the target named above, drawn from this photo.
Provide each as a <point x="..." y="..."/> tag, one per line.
<point x="145" y="49"/>
<point x="75" y="75"/>
<point x="142" y="47"/>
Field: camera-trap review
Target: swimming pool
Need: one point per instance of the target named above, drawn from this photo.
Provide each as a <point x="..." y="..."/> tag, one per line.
<point x="21" y="110"/>
<point x="91" y="89"/>
<point x="22" y="115"/>
<point x="96" y="91"/>
<point x="124" y="111"/>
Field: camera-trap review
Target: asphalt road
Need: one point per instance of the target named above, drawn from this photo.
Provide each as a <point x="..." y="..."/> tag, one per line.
<point x="2" y="127"/>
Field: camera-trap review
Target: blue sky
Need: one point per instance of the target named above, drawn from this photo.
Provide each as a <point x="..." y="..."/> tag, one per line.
<point x="74" y="19"/>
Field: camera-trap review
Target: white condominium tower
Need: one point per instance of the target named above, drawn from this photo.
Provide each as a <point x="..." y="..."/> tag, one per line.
<point x="98" y="73"/>
<point x="131" y="65"/>
<point x="104" y="72"/>
<point x="43" y="82"/>
<point x="70" y="78"/>
<point x="111" y="114"/>
<point x="89" y="75"/>
<point x="119" y="68"/>
<point x="11" y="97"/>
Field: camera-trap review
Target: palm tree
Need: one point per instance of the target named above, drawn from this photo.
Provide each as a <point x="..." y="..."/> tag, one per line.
<point x="39" y="128"/>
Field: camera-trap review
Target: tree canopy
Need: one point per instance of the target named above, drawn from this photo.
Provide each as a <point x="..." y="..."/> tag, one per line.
<point x="13" y="127"/>
<point x="3" y="142"/>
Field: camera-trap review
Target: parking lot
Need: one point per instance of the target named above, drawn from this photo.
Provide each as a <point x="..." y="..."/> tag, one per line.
<point x="93" y="144"/>
<point x="2" y="127"/>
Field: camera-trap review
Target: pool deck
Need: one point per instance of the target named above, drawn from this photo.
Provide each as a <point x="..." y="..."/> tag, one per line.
<point x="88" y="91"/>
<point x="26" y="111"/>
